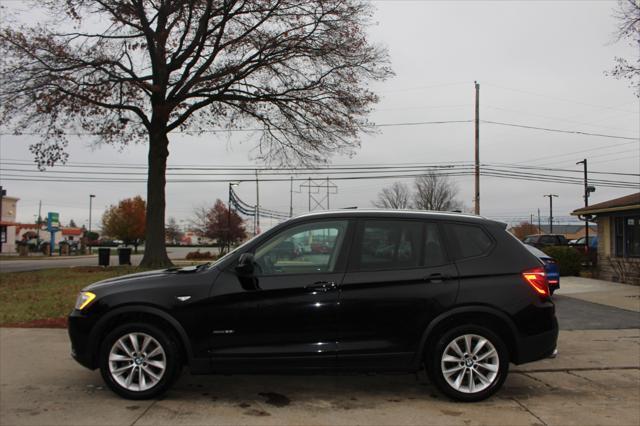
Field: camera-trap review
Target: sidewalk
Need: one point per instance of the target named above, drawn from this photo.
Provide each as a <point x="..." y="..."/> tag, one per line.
<point x="623" y="296"/>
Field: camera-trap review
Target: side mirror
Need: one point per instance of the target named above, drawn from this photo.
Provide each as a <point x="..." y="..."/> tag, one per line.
<point x="245" y="266"/>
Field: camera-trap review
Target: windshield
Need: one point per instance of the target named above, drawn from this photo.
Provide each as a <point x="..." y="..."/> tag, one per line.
<point x="231" y="253"/>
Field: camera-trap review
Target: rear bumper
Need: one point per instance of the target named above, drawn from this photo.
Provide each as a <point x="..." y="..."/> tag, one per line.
<point x="538" y="346"/>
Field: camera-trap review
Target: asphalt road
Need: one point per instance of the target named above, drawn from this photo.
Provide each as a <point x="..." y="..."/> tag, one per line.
<point x="38" y="263"/>
<point x="575" y="314"/>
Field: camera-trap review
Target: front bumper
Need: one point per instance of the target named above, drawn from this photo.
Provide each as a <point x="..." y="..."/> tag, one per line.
<point x="79" y="330"/>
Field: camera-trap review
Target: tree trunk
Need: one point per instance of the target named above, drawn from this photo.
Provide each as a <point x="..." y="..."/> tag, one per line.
<point x="155" y="250"/>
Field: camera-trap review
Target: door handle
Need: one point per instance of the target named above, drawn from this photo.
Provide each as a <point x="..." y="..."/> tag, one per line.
<point x="437" y="278"/>
<point x="322" y="286"/>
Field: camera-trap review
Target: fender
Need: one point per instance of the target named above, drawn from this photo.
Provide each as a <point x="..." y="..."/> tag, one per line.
<point x="483" y="309"/>
<point x="98" y="329"/>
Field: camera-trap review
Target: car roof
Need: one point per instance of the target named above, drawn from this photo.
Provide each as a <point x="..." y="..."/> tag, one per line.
<point x="392" y="213"/>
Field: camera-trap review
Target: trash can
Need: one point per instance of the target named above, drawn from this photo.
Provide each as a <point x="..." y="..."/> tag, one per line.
<point x="103" y="256"/>
<point x="124" y="256"/>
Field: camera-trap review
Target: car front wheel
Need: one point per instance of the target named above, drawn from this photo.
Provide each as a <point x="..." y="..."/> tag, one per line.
<point x="469" y="363"/>
<point x="139" y="361"/>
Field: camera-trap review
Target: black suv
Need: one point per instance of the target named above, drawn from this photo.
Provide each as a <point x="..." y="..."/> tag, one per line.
<point x="545" y="240"/>
<point x="391" y="291"/>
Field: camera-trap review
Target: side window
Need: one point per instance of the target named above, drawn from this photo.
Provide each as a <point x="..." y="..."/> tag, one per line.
<point x="389" y="245"/>
<point x="433" y="251"/>
<point x="303" y="249"/>
<point x="547" y="239"/>
<point x="472" y="240"/>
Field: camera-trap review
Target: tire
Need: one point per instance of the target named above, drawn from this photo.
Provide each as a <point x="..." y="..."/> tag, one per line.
<point x="142" y="373"/>
<point x="469" y="379"/>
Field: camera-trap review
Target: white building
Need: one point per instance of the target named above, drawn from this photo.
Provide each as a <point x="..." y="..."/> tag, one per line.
<point x="8" y="224"/>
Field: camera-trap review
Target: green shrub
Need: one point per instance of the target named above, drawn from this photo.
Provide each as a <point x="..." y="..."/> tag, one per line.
<point x="569" y="259"/>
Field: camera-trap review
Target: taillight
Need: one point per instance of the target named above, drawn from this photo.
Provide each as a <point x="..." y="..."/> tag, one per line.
<point x="537" y="279"/>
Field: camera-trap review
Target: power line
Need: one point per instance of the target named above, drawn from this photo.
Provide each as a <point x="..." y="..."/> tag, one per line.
<point x="548" y="117"/>
<point x="560" y="99"/>
<point x="573" y="153"/>
<point x="486" y="172"/>
<point x="256" y="129"/>
<point x="414" y="123"/>
<point x="267" y="170"/>
<point x="547" y="129"/>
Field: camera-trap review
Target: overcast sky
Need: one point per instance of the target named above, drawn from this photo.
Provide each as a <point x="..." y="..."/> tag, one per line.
<point x="538" y="64"/>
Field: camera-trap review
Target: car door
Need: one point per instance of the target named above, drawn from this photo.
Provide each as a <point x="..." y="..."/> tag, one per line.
<point x="289" y="305"/>
<point x="399" y="278"/>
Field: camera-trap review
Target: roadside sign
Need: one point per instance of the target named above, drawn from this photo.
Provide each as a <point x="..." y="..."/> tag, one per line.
<point x="53" y="222"/>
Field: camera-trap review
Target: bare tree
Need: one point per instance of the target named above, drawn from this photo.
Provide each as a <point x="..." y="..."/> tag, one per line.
<point x="199" y="221"/>
<point x="396" y="196"/>
<point x="132" y="71"/>
<point x="628" y="16"/>
<point x="173" y="233"/>
<point x="435" y="192"/>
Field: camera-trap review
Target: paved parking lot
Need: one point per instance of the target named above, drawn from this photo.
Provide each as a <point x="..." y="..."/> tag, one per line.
<point x="594" y="381"/>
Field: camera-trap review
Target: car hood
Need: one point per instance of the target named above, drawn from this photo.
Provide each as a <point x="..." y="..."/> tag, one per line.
<point x="140" y="277"/>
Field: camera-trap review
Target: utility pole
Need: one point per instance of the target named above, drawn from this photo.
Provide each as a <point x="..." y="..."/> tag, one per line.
<point x="309" y="193"/>
<point x="539" y="220"/>
<point x="550" y="211"/>
<point x="3" y="192"/>
<point x="477" y="151"/>
<point x="291" y="198"/>
<point x="319" y="186"/>
<point x="257" y="203"/>
<point x="531" y="218"/>
<point x="328" y="208"/>
<point x="587" y="189"/>
<point x="39" y="224"/>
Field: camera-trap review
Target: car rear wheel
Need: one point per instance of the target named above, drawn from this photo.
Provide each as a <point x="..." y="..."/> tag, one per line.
<point x="469" y="363"/>
<point x="139" y="361"/>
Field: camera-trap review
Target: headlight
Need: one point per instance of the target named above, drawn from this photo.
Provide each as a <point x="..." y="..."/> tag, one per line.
<point x="84" y="299"/>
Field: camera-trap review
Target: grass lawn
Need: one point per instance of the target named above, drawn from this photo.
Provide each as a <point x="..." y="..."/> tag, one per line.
<point x="50" y="293"/>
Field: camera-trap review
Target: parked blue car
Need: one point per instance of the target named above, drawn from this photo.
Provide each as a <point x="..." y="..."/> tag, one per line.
<point x="551" y="267"/>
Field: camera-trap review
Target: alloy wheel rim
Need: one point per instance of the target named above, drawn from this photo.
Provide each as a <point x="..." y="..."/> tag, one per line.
<point x="137" y="362"/>
<point x="470" y="363"/>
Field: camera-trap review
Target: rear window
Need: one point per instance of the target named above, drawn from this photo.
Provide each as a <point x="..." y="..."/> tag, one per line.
<point x="433" y="251"/>
<point x="472" y="240"/>
<point x="389" y="245"/>
<point x="548" y="239"/>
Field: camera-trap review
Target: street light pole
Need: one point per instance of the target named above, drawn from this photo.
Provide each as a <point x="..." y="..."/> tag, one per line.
<point x="550" y="211"/>
<point x="231" y="184"/>
<point x="91" y="197"/>
<point x="587" y="190"/>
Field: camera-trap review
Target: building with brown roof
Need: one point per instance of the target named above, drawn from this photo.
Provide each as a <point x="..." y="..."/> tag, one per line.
<point x="618" y="237"/>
